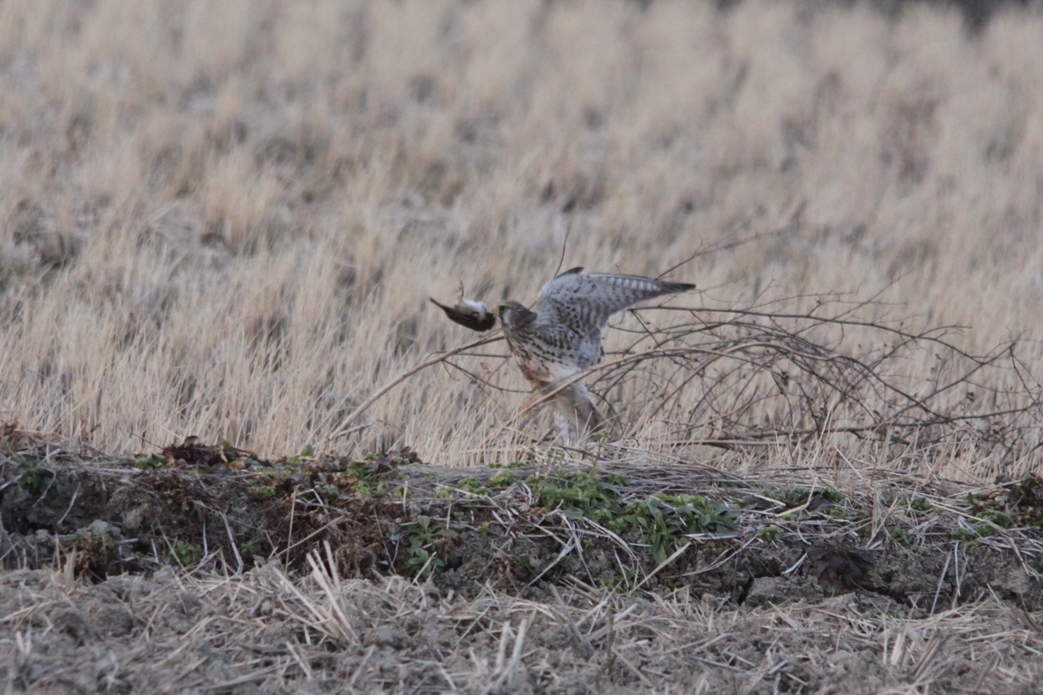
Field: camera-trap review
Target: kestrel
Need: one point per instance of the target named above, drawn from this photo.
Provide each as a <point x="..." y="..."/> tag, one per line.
<point x="559" y="340"/>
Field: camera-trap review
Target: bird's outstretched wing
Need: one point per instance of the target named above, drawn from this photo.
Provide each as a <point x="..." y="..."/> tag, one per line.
<point x="588" y="299"/>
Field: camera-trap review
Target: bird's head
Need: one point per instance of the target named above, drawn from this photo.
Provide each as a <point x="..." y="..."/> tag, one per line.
<point x="511" y="313"/>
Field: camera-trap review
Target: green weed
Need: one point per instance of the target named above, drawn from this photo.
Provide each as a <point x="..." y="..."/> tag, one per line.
<point x="428" y="537"/>
<point x="919" y="504"/>
<point x="661" y="520"/>
<point x="145" y="463"/>
<point x="832" y="495"/>
<point x="186" y="554"/>
<point x="769" y="533"/>
<point x="994" y="516"/>
<point x="33" y="475"/>
<point x="470" y="486"/>
<point x="900" y="535"/>
<point x="581" y="494"/>
<point x="502" y="479"/>
<point x="261" y="489"/>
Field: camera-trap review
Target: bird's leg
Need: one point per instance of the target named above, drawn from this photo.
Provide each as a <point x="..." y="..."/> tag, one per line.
<point x="575" y="415"/>
<point x="586" y="415"/>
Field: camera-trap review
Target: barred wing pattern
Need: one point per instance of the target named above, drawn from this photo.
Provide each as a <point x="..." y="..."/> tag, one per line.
<point x="585" y="301"/>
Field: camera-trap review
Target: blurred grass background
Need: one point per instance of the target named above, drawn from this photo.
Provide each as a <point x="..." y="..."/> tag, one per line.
<point x="224" y="219"/>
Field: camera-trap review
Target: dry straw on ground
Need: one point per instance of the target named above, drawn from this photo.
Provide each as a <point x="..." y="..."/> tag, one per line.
<point x="267" y="632"/>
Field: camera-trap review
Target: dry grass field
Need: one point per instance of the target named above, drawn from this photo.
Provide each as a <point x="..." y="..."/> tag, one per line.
<point x="225" y="220"/>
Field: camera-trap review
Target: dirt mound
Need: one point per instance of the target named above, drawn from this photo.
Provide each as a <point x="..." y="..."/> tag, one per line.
<point x="519" y="529"/>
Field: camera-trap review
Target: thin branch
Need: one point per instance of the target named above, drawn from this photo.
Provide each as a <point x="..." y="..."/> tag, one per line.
<point x="405" y="375"/>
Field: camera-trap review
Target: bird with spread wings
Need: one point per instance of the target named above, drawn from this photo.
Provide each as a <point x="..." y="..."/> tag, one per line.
<point x="556" y="343"/>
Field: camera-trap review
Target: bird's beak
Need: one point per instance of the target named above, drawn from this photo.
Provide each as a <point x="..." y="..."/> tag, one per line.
<point x="497" y="310"/>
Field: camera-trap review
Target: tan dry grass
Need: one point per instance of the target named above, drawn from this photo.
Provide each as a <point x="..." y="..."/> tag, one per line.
<point x="224" y="220"/>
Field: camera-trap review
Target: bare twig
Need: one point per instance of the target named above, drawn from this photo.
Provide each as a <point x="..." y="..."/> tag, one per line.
<point x="398" y="380"/>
